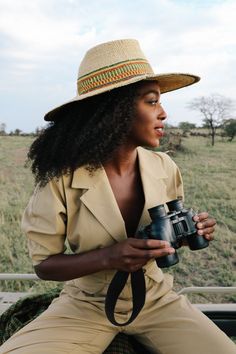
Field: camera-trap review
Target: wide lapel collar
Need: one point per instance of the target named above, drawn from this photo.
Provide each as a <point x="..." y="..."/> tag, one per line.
<point x="153" y="176"/>
<point x="100" y="200"/>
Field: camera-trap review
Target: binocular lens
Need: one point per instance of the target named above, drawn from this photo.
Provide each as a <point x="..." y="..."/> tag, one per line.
<point x="157" y="212"/>
<point x="175" y="205"/>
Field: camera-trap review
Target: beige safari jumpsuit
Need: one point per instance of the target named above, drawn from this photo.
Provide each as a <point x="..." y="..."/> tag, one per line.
<point x="83" y="209"/>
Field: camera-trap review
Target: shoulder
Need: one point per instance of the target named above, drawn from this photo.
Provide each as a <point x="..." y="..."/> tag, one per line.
<point x="157" y="158"/>
<point x="159" y="165"/>
<point x="54" y="189"/>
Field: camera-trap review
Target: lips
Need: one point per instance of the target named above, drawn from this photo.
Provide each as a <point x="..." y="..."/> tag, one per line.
<point x="159" y="131"/>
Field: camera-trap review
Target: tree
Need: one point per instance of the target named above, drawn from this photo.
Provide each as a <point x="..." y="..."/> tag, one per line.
<point x="38" y="130"/>
<point x="186" y="126"/>
<point x="2" y="129"/>
<point x="230" y="128"/>
<point x="17" y="132"/>
<point x="214" y="109"/>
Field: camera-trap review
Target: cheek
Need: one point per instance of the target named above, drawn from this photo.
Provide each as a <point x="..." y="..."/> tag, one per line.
<point x="141" y="127"/>
<point x="144" y="121"/>
<point x="144" y="118"/>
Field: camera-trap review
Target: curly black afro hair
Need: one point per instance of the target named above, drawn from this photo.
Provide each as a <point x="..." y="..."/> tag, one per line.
<point x="87" y="133"/>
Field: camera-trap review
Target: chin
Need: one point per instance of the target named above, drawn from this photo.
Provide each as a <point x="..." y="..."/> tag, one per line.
<point x="155" y="144"/>
<point x="151" y="146"/>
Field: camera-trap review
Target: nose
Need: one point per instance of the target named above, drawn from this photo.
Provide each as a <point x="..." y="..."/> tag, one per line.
<point x="162" y="115"/>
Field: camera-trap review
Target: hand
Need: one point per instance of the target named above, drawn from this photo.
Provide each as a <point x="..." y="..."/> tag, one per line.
<point x="132" y="254"/>
<point x="205" y="225"/>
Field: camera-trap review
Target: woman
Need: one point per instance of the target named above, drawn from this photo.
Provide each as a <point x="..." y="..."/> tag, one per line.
<point x="95" y="186"/>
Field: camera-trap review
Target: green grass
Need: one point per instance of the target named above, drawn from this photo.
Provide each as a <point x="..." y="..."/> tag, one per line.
<point x="209" y="179"/>
<point x="16" y="186"/>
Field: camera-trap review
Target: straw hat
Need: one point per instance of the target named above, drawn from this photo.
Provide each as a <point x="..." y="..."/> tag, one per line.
<point x="118" y="63"/>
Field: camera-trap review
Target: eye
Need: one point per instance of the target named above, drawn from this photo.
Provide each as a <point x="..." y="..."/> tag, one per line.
<point x="154" y="102"/>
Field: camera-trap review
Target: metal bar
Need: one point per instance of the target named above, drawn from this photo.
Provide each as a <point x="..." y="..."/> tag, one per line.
<point x="208" y="289"/>
<point x="15" y="276"/>
<point x="188" y="290"/>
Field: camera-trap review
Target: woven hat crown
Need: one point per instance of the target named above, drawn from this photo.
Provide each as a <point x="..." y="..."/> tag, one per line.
<point x="112" y="63"/>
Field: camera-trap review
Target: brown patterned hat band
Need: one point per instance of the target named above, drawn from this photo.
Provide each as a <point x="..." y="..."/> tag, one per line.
<point x="113" y="74"/>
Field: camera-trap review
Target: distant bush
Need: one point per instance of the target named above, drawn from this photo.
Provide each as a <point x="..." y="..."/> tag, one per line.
<point x="199" y="133"/>
<point x="230" y="128"/>
<point x="171" y="142"/>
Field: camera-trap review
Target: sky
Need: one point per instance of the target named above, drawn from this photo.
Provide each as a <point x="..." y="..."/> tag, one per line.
<point x="42" y="43"/>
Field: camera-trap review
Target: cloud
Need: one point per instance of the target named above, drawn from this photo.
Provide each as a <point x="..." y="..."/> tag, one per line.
<point x="43" y="41"/>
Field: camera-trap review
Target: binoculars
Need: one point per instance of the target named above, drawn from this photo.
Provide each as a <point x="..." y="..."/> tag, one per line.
<point x="174" y="226"/>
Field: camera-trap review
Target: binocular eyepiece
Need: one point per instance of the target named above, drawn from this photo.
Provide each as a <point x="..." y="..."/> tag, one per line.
<point x="174" y="226"/>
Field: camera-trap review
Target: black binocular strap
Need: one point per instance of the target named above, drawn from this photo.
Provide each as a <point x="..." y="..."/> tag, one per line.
<point x="115" y="288"/>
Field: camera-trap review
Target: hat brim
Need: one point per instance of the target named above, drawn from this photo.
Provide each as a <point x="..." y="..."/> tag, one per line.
<point x="167" y="83"/>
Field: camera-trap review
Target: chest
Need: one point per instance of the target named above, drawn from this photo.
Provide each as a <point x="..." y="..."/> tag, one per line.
<point x="128" y="192"/>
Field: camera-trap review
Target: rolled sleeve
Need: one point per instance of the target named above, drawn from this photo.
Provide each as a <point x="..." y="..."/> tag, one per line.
<point x="44" y="222"/>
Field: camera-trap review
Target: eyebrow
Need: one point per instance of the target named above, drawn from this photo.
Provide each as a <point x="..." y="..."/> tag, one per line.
<point x="150" y="91"/>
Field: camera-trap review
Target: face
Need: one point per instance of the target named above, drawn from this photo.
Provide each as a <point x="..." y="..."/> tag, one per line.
<point x="148" y="125"/>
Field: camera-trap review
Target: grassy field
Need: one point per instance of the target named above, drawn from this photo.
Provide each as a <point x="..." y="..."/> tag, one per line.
<point x="209" y="178"/>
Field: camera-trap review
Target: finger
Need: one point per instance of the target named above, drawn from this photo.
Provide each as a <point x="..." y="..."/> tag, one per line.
<point x="154" y="244"/>
<point x="150" y="243"/>
<point x="209" y="237"/>
<point x="145" y="254"/>
<point x="206" y="223"/>
<point x="136" y="267"/>
<point x="201" y="216"/>
<point x="159" y="252"/>
<point x="208" y="230"/>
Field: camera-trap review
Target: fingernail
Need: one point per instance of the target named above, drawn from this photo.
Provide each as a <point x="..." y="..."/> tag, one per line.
<point x="200" y="225"/>
<point x="200" y="232"/>
<point x="171" y="251"/>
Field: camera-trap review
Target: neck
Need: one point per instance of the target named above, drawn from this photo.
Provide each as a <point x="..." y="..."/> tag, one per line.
<point x="123" y="162"/>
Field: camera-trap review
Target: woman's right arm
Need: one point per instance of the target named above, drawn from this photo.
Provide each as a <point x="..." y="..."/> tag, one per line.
<point x="128" y="255"/>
